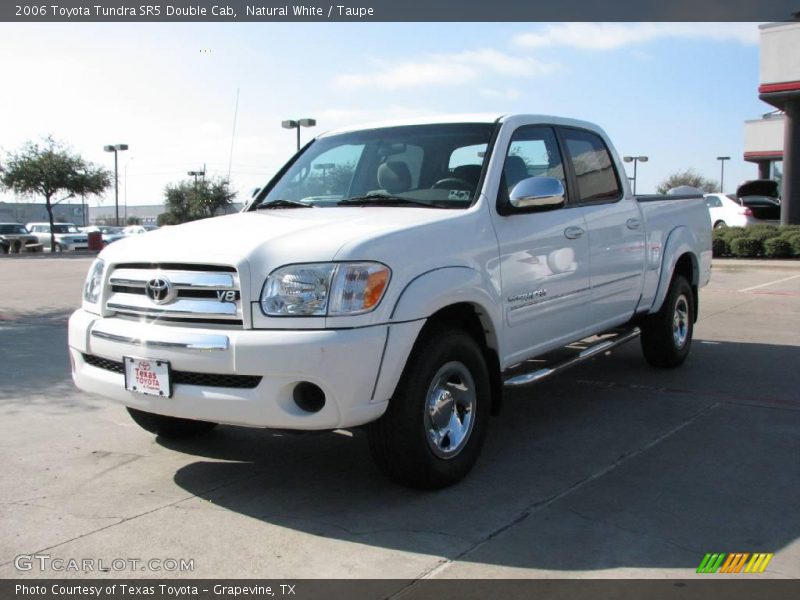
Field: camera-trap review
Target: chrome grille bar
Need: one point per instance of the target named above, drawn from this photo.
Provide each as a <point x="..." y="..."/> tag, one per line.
<point x="199" y="294"/>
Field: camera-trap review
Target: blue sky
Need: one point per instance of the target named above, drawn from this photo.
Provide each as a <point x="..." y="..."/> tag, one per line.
<point x="678" y="93"/>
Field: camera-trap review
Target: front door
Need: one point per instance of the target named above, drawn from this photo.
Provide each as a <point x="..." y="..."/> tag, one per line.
<point x="543" y="253"/>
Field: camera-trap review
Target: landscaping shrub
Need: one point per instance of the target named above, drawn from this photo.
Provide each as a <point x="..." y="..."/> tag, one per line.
<point x="731" y="233"/>
<point x="745" y="247"/>
<point x="720" y="247"/>
<point x="762" y="232"/>
<point x="777" y="247"/>
<point x="793" y="239"/>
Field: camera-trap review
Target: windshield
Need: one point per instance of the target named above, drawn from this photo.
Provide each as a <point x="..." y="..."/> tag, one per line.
<point x="11" y="228"/>
<point x="65" y="229"/>
<point x="420" y="165"/>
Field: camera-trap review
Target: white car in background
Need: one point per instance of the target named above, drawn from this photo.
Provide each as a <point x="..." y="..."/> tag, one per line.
<point x="726" y="211"/>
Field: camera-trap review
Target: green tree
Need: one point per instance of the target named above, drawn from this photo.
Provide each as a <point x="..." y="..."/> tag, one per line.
<point x="688" y="177"/>
<point x="189" y="200"/>
<point x="133" y="221"/>
<point x="49" y="169"/>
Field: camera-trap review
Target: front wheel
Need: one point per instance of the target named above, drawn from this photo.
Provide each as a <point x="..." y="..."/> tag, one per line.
<point x="169" y="427"/>
<point x="436" y="422"/>
<point x="667" y="334"/>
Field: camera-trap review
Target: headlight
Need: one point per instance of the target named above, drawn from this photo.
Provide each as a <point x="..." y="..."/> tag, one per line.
<point x="94" y="282"/>
<point x="320" y="289"/>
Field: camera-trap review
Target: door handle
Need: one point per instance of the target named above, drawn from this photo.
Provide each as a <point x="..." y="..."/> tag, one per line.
<point x="573" y="233"/>
<point x="633" y="223"/>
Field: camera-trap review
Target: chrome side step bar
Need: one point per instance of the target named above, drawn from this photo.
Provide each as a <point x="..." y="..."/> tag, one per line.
<point x="598" y="348"/>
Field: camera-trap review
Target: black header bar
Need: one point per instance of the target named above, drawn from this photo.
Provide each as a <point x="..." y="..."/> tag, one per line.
<point x="396" y="10"/>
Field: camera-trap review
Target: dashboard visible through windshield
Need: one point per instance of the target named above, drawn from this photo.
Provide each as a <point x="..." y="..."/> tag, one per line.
<point x="436" y="166"/>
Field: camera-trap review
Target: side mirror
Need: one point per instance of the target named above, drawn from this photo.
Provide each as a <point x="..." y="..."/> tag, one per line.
<point x="538" y="192"/>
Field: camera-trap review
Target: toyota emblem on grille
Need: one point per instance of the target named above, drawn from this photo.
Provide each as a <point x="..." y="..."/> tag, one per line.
<point x="159" y="290"/>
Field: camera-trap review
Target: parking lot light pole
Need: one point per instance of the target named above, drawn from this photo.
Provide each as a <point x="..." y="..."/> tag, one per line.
<point x="635" y="160"/>
<point x="197" y="174"/>
<point x="116" y="148"/>
<point x="722" y="160"/>
<point x="292" y="124"/>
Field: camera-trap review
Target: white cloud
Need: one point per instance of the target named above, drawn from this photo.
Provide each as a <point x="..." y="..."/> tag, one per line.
<point x="500" y="94"/>
<point x="446" y="69"/>
<point x="609" y="36"/>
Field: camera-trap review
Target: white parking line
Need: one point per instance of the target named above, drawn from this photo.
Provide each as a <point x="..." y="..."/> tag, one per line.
<point x="755" y="287"/>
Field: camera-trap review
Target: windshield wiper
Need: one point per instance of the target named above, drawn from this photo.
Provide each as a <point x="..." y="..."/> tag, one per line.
<point x="284" y="204"/>
<point x="381" y="200"/>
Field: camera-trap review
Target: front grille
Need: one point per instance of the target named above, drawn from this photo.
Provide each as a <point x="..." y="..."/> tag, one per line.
<point x="104" y="363"/>
<point x="194" y="294"/>
<point x="184" y="377"/>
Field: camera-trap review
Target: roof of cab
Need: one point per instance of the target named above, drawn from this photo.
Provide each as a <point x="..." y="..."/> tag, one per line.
<point x="429" y="120"/>
<point x="463" y="118"/>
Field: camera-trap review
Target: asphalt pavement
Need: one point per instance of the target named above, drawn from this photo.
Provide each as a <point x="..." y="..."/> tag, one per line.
<point x="613" y="469"/>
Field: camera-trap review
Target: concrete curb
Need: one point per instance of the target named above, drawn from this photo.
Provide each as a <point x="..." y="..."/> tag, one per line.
<point x="735" y="263"/>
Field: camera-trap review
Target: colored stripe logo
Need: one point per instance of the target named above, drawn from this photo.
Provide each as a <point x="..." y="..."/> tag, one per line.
<point x="734" y="562"/>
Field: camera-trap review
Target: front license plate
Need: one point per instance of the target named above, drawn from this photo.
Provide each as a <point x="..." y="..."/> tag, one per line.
<point x="147" y="376"/>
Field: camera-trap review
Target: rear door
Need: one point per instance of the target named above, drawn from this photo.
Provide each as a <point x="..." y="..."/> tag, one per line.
<point x="543" y="253"/>
<point x="615" y="226"/>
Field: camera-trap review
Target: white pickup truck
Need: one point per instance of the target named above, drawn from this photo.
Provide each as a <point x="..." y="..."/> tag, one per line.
<point x="396" y="276"/>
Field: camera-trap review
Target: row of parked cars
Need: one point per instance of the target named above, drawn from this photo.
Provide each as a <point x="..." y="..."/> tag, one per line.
<point x="32" y="237"/>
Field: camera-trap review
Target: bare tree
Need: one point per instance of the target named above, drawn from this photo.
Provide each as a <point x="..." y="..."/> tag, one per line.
<point x="688" y="177"/>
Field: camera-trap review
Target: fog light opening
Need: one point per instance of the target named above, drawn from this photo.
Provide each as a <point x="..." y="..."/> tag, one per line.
<point x="308" y="397"/>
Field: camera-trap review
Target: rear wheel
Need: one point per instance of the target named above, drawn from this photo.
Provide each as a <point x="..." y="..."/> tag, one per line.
<point x="667" y="334"/>
<point x="169" y="427"/>
<point x="436" y="422"/>
<point x="720" y="224"/>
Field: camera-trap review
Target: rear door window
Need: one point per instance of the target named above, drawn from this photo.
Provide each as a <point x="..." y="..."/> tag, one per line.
<point x="591" y="162"/>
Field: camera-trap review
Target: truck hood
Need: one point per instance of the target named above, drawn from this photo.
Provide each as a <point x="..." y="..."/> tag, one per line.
<point x="268" y="238"/>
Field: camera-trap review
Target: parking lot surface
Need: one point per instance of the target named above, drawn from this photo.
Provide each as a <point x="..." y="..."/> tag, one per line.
<point x="613" y="469"/>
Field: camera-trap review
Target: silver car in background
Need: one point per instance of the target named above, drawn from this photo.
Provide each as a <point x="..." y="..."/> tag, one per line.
<point x="68" y="236"/>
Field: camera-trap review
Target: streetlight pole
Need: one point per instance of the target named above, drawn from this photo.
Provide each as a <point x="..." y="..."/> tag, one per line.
<point x="197" y="174"/>
<point x="126" y="189"/>
<point x="722" y="160"/>
<point x="297" y="124"/>
<point x="635" y="160"/>
<point x="116" y="148"/>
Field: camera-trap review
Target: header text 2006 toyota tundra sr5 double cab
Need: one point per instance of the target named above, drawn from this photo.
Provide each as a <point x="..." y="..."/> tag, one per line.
<point x="395" y="276"/>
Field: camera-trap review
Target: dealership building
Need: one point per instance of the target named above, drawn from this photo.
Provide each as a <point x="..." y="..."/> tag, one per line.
<point x="773" y="142"/>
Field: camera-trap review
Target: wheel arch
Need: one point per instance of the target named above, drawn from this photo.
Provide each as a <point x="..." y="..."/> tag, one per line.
<point x="679" y="258"/>
<point x="457" y="297"/>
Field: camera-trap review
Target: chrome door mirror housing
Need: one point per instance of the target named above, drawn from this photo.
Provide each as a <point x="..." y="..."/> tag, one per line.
<point x="538" y="192"/>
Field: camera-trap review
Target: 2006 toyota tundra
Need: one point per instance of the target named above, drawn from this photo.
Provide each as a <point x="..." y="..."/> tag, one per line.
<point x="395" y="276"/>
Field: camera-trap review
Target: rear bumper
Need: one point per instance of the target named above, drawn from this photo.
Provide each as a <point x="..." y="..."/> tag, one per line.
<point x="345" y="363"/>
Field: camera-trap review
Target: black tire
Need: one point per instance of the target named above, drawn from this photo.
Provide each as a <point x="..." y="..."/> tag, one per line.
<point x="169" y="427"/>
<point x="667" y="335"/>
<point x="58" y="248"/>
<point x="402" y="440"/>
<point x="720" y="224"/>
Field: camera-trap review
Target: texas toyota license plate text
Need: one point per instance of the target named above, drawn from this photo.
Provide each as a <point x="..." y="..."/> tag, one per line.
<point x="147" y="376"/>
